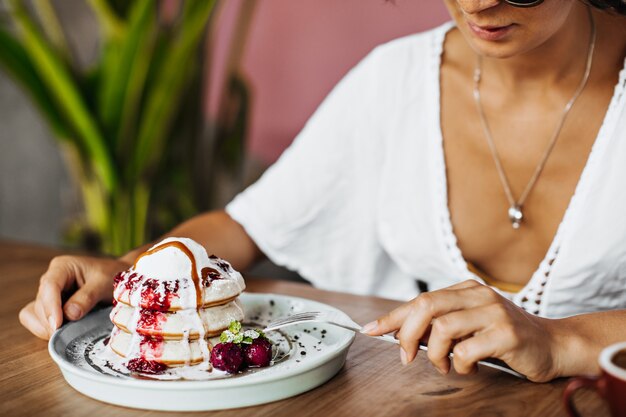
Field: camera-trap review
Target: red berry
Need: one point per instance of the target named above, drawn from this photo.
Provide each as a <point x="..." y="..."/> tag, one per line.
<point x="227" y="357"/>
<point x="145" y="366"/>
<point x="258" y="353"/>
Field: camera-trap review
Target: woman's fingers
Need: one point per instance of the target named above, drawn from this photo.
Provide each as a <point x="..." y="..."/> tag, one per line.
<point x="413" y="329"/>
<point x="468" y="352"/>
<point x="388" y="322"/>
<point x="60" y="276"/>
<point x="92" y="276"/>
<point x="437" y="305"/>
<point x="430" y="305"/>
<point x="86" y="297"/>
<point x="394" y="319"/>
<point x="475" y="322"/>
<point x="412" y="320"/>
<point x="30" y="320"/>
<point x="42" y="317"/>
<point x="468" y="283"/>
<point x="447" y="329"/>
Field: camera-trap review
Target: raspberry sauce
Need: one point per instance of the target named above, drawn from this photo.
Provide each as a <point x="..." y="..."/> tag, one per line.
<point x="150" y="321"/>
<point x="157" y="295"/>
<point x="144" y="366"/>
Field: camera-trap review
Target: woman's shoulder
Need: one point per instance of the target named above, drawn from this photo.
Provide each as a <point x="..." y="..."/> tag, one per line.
<point x="396" y="71"/>
<point x="414" y="49"/>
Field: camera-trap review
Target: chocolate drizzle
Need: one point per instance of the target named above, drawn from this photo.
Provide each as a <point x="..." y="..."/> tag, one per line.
<point x="209" y="275"/>
<point x="194" y="270"/>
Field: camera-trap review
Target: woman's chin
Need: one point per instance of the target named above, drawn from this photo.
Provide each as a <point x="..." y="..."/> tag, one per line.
<point x="497" y="49"/>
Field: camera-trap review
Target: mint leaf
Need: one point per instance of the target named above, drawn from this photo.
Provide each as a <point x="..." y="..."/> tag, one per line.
<point x="235" y="335"/>
<point x="234" y="327"/>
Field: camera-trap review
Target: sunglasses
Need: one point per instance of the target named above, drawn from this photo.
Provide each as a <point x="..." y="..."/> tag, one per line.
<point x="524" y="3"/>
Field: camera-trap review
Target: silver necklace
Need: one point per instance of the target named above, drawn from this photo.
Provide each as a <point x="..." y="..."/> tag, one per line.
<point x="515" y="206"/>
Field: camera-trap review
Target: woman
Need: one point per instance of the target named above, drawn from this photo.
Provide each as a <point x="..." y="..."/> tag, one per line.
<point x="450" y="159"/>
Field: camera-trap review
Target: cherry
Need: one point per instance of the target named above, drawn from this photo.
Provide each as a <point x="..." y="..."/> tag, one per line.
<point x="258" y="353"/>
<point x="227" y="357"/>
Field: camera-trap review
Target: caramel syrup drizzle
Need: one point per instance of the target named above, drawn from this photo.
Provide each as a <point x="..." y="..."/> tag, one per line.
<point x="194" y="270"/>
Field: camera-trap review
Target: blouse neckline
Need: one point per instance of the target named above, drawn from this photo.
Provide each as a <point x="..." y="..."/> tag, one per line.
<point x="530" y="295"/>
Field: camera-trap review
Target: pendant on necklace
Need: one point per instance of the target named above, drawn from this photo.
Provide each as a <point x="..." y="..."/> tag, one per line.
<point x="516" y="216"/>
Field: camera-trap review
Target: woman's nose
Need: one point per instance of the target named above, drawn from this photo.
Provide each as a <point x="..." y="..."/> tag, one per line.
<point x="476" y="6"/>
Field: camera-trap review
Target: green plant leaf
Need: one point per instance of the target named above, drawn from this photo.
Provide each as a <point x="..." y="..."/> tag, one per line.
<point x="169" y="85"/>
<point x="110" y="57"/>
<point x="19" y="66"/>
<point x="97" y="208"/>
<point x="59" y="81"/>
<point x="112" y="26"/>
<point x="125" y="75"/>
<point x="52" y="27"/>
<point x="149" y="88"/>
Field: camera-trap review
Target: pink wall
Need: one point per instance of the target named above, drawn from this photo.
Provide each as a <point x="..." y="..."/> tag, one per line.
<point x="298" y="49"/>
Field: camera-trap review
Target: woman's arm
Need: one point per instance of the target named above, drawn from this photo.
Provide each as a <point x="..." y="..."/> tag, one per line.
<point x="582" y="338"/>
<point x="89" y="280"/>
<point x="475" y="322"/>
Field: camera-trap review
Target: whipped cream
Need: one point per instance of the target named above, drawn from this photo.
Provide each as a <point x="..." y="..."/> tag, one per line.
<point x="170" y="301"/>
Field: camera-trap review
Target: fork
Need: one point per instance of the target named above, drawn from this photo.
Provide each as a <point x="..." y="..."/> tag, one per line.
<point x="340" y="319"/>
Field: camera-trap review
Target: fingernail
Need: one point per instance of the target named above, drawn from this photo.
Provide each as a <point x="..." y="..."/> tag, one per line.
<point x="73" y="312"/>
<point x="53" y="323"/>
<point x="403" y="357"/>
<point x="369" y="327"/>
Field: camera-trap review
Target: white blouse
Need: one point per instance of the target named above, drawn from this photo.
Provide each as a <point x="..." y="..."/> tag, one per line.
<point x="358" y="202"/>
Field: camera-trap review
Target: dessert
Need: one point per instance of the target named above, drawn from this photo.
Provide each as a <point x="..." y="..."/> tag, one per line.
<point x="258" y="353"/>
<point x="239" y="348"/>
<point x="227" y="357"/>
<point x="170" y="303"/>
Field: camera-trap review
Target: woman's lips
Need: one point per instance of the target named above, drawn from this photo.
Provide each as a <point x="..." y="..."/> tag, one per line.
<point x="490" y="33"/>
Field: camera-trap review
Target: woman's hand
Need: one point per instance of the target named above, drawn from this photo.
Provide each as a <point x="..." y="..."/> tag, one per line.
<point x="90" y="278"/>
<point x="475" y="322"/>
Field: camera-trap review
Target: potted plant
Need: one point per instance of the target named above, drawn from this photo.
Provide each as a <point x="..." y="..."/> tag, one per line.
<point x="131" y="123"/>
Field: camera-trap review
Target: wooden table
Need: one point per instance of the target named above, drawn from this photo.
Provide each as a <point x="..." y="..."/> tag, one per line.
<point x="372" y="382"/>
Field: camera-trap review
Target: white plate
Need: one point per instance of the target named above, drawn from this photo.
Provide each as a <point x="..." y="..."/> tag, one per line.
<point x="317" y="353"/>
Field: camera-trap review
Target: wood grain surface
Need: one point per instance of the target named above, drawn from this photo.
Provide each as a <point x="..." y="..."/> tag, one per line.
<point x="373" y="382"/>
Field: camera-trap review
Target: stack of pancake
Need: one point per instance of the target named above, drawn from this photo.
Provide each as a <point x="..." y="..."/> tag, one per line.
<point x="170" y="302"/>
